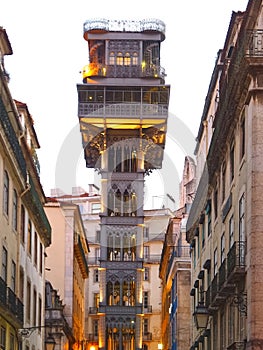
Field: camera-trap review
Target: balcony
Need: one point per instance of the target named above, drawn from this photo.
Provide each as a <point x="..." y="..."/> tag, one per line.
<point x="236" y="261"/>
<point x="230" y="272"/>
<point x="81" y="257"/>
<point x="147" y="309"/>
<point x="152" y="258"/>
<point x="93" y="310"/>
<point x="120" y="310"/>
<point x="237" y="345"/>
<point x="225" y="285"/>
<point x="10" y="303"/>
<point x="121" y="71"/>
<point x="93" y="337"/>
<point x="147" y="336"/>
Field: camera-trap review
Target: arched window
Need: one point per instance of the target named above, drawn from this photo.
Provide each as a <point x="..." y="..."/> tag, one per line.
<point x="112" y="59"/>
<point x="15" y="210"/>
<point x="135" y="59"/>
<point x="127" y="59"/>
<point x="119" y="61"/>
<point x="6" y="193"/>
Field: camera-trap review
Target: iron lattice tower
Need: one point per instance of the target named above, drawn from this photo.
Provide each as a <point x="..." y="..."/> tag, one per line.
<point x="123" y="109"/>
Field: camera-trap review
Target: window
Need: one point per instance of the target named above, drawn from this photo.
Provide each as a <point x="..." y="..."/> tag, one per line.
<point x="135" y="59"/>
<point x="119" y="59"/>
<point x="145" y="299"/>
<point x="39" y="311"/>
<point x="231" y="231"/>
<point x="13" y="276"/>
<point x="146" y="232"/>
<point x="12" y="341"/>
<point x="95" y="208"/>
<point x="22" y="223"/>
<point x="209" y="224"/>
<point x="127" y="59"/>
<point x="146" y="252"/>
<point x="6" y="193"/>
<point x="35" y="248"/>
<point x="21" y="284"/>
<point x="96" y="275"/>
<point x="4" y="264"/>
<point x="98" y="236"/>
<point x="223" y="247"/>
<point x="96" y="327"/>
<point x="146" y="275"/>
<point x="215" y="202"/>
<point x="14" y="211"/>
<point x="203" y="234"/>
<point x="40" y="257"/>
<point x="145" y="326"/>
<point x="97" y="255"/>
<point x="29" y="238"/>
<point x="215" y="261"/>
<point x="242" y="138"/>
<point x="223" y="182"/>
<point x="28" y="300"/>
<point x="96" y="300"/>
<point x="34" y="307"/>
<point x="242" y="218"/>
<point x="112" y="59"/>
<point x="2" y="338"/>
<point x="232" y="162"/>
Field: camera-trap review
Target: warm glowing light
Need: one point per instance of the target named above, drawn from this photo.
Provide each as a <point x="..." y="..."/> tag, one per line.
<point x="90" y="70"/>
<point x="92" y="347"/>
<point x="143" y="64"/>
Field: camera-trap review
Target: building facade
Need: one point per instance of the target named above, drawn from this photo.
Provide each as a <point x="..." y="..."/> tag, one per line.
<point x="225" y="223"/>
<point x="67" y="267"/>
<point x="175" y="269"/>
<point x="123" y="110"/>
<point x="25" y="230"/>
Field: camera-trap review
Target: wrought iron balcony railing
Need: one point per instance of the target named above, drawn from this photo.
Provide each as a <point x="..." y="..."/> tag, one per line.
<point x="122" y="71"/>
<point x="10" y="302"/>
<point x="147" y="309"/>
<point x="147" y="336"/>
<point x="236" y="260"/>
<point x="230" y="271"/>
<point x="93" y="310"/>
<point x="237" y="345"/>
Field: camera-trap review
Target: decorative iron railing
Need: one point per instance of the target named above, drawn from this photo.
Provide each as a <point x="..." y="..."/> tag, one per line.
<point x="10" y="302"/>
<point x="12" y="138"/>
<point x="236" y="257"/>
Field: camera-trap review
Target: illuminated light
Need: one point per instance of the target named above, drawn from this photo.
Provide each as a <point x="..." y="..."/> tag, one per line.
<point x="93" y="347"/>
<point x="160" y="346"/>
<point x="143" y="64"/>
<point x="90" y="70"/>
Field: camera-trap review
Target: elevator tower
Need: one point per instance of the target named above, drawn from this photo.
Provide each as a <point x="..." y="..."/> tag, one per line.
<point x="123" y="109"/>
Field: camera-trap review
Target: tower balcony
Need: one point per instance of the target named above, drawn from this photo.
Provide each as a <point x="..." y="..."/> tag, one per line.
<point x="121" y="310"/>
<point x="94" y="70"/>
<point x="103" y="25"/>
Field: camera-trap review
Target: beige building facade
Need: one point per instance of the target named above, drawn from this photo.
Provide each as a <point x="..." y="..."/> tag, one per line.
<point x="25" y="231"/>
<point x="175" y="269"/>
<point x="224" y="226"/>
<point x="67" y="267"/>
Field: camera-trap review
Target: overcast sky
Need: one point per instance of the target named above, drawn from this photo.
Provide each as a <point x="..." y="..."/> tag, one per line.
<point x="49" y="52"/>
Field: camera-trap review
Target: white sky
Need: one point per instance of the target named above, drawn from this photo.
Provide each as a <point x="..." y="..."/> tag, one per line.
<point x="49" y="52"/>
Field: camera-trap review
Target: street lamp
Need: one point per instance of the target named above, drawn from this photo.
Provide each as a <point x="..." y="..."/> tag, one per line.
<point x="50" y="342"/>
<point x="201" y="316"/>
